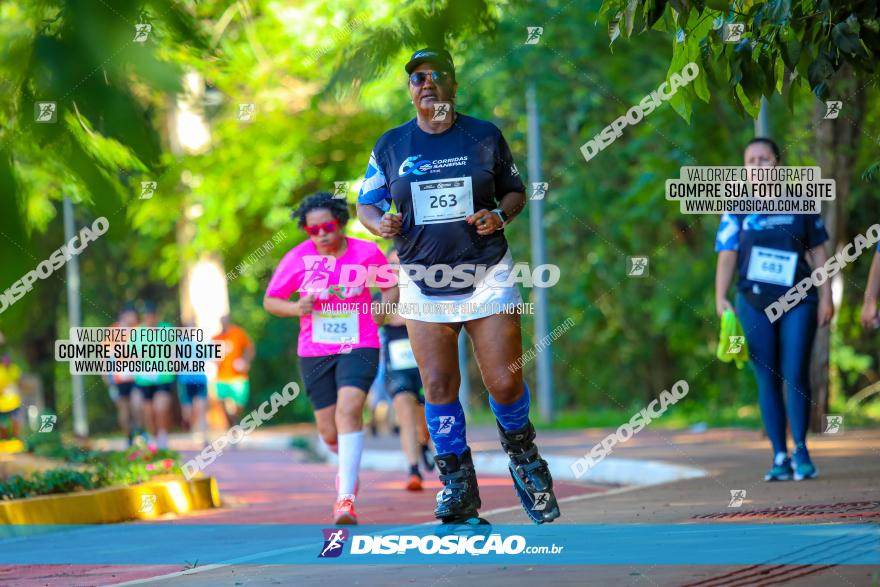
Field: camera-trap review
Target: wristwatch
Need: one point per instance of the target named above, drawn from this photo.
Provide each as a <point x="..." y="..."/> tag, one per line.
<point x="502" y="215"/>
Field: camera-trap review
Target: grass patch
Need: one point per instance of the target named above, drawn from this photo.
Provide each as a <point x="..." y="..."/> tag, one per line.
<point x="746" y="416"/>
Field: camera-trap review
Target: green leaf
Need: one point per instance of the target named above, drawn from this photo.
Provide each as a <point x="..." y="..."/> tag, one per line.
<point x="872" y="171"/>
<point x="752" y="108"/>
<point x="700" y="84"/>
<point x="846" y="35"/>
<point x="777" y="11"/>
<point x="753" y="81"/>
<point x="791" y="53"/>
<point x="820" y="70"/>
<point x="720" y="5"/>
<point x="767" y="66"/>
<point x="653" y="11"/>
<point x="630" y="16"/>
<point x="682" y="105"/>
<point x="614" y="28"/>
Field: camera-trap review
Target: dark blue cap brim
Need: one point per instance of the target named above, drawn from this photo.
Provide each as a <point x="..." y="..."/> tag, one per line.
<point x="435" y="58"/>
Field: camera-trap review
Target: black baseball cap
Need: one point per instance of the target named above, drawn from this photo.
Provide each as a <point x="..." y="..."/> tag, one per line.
<point x="433" y="55"/>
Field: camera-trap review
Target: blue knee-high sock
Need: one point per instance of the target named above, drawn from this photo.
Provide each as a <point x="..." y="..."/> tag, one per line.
<point x="512" y="416"/>
<point x="446" y="427"/>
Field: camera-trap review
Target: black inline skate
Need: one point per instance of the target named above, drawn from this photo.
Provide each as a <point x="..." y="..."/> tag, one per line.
<point x="530" y="473"/>
<point x="459" y="500"/>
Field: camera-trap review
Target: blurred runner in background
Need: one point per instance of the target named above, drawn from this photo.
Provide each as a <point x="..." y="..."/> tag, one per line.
<point x="770" y="253"/>
<point x="233" y="385"/>
<point x="405" y="386"/>
<point x="10" y="402"/>
<point x="156" y="388"/>
<point x="379" y="414"/>
<point x="121" y="384"/>
<point x="192" y="389"/>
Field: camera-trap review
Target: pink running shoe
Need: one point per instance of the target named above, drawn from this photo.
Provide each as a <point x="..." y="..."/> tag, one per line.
<point x="343" y="511"/>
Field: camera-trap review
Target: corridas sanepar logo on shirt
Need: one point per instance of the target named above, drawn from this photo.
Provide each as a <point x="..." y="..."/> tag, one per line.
<point x="421" y="167"/>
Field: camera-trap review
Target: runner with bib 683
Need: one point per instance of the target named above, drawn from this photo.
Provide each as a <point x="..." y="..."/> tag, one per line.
<point x="772" y="252"/>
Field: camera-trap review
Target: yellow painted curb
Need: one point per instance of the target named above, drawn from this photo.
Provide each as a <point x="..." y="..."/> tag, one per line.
<point x="13" y="446"/>
<point x="144" y="501"/>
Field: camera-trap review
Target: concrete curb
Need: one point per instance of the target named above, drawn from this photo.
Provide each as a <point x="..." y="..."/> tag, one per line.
<point x="610" y="471"/>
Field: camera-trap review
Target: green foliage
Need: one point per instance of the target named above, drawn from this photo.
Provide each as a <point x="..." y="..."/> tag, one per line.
<point x="89" y="469"/>
<point x="811" y="39"/>
<point x="327" y="80"/>
<point x="81" y="55"/>
<point x="48" y="483"/>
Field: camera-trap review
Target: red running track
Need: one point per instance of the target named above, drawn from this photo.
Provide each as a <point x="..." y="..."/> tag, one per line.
<point x="278" y="487"/>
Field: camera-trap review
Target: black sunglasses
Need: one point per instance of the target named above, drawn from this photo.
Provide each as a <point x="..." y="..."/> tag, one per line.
<point x="438" y="77"/>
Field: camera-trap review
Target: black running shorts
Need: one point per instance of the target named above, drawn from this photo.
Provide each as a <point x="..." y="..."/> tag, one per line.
<point x="405" y="381"/>
<point x="323" y="376"/>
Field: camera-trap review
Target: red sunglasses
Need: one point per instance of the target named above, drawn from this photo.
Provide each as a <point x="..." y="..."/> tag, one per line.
<point x="315" y="229"/>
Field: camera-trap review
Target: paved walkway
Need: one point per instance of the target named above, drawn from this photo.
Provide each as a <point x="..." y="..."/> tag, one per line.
<point x="274" y="486"/>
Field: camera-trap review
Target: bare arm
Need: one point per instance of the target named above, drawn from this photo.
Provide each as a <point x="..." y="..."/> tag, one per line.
<point x="249" y="351"/>
<point x="872" y="290"/>
<point x="369" y="216"/>
<point x="286" y="308"/>
<point x="381" y="224"/>
<point x="724" y="271"/>
<point x="818" y="256"/>
<point x="389" y="296"/>
<point x="513" y="203"/>
<point x="487" y="222"/>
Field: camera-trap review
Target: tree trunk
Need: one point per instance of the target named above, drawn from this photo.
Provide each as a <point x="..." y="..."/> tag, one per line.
<point x="38" y="340"/>
<point x="835" y="153"/>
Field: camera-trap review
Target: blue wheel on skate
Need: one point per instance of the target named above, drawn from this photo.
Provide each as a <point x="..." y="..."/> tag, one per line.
<point x="471" y="526"/>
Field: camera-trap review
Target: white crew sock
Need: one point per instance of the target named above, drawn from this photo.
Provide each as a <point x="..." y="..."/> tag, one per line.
<point x="162" y="439"/>
<point x="351" y="445"/>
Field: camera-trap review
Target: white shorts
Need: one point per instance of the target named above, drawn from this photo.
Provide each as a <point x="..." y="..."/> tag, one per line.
<point x="483" y="301"/>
